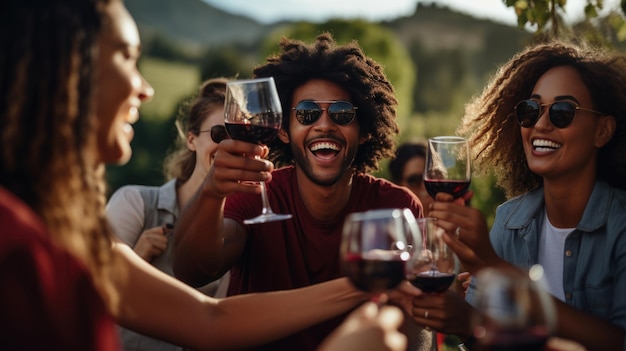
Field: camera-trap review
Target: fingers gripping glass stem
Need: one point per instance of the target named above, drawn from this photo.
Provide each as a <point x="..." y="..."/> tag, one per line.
<point x="252" y="113"/>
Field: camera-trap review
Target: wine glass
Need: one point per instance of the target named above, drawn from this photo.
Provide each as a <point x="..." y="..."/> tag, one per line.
<point x="515" y="313"/>
<point x="375" y="247"/>
<point x="447" y="166"/>
<point x="252" y="113"/>
<point x="433" y="265"/>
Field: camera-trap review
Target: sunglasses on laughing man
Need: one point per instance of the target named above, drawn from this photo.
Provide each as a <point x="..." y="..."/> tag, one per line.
<point x="310" y="111"/>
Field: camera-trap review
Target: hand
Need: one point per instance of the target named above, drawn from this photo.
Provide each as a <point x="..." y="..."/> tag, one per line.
<point x="472" y="244"/>
<point x="152" y="242"/>
<point x="370" y="329"/>
<point x="235" y="167"/>
<point x="402" y="296"/>
<point x="464" y="278"/>
<point x="446" y="312"/>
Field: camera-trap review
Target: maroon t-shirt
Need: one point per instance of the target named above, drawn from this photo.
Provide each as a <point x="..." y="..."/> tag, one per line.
<point x="47" y="299"/>
<point x="301" y="251"/>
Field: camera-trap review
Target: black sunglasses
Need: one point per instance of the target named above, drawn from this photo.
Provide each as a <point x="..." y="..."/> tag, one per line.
<point x="218" y="133"/>
<point x="414" y="180"/>
<point x="340" y="112"/>
<point x="561" y="113"/>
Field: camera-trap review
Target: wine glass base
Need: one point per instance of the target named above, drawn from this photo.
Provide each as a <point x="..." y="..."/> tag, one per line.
<point x="267" y="217"/>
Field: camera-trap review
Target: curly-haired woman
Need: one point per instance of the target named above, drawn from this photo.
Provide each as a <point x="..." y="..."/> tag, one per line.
<point x="552" y="126"/>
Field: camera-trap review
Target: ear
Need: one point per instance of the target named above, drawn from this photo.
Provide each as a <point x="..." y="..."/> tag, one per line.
<point x="605" y="130"/>
<point x="283" y="136"/>
<point x="191" y="141"/>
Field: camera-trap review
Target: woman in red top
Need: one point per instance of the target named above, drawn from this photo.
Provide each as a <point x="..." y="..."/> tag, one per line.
<point x="69" y="92"/>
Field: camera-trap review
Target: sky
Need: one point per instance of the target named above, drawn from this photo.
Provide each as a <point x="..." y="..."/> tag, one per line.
<point x="268" y="11"/>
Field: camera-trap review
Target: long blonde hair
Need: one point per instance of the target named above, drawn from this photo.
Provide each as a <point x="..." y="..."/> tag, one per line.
<point x="181" y="162"/>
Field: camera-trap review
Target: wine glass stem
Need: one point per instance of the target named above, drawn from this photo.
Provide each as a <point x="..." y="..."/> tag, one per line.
<point x="266" y="204"/>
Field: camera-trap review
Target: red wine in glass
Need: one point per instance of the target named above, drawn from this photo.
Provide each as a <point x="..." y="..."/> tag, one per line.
<point x="456" y="188"/>
<point x="517" y="340"/>
<point x="375" y="247"/>
<point x="374" y="272"/>
<point x="433" y="265"/>
<point x="447" y="166"/>
<point x="433" y="281"/>
<point x="252" y="133"/>
<point x="515" y="313"/>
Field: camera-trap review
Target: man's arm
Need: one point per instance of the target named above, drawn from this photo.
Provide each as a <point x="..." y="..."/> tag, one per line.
<point x="206" y="244"/>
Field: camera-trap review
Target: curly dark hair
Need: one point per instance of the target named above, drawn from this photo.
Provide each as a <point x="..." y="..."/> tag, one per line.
<point x="404" y="153"/>
<point x="494" y="133"/>
<point x="181" y="162"/>
<point x="347" y="66"/>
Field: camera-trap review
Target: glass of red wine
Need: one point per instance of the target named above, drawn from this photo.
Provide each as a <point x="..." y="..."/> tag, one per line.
<point x="433" y="265"/>
<point x="252" y="113"/>
<point x="515" y="313"/>
<point x="447" y="167"/>
<point x="375" y="247"/>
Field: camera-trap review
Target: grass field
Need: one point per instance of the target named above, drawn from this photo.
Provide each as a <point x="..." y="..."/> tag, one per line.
<point x="172" y="82"/>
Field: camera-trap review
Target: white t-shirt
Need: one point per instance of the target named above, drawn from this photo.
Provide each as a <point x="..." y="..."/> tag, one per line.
<point x="551" y="255"/>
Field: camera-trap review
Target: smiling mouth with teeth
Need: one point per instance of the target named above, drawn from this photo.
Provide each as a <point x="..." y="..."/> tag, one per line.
<point x="542" y="145"/>
<point x="325" y="149"/>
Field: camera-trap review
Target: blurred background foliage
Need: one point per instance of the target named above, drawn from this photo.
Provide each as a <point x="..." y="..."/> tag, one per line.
<point x="436" y="59"/>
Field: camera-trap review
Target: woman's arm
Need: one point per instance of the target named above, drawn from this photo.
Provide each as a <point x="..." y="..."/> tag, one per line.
<point x="158" y="305"/>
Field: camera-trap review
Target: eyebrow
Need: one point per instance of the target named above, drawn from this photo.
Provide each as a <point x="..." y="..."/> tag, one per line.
<point x="557" y="98"/>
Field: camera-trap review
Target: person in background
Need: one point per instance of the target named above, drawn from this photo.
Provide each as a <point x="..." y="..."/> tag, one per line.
<point x="551" y="124"/>
<point x="407" y="169"/>
<point x="339" y="122"/>
<point x="69" y="94"/>
<point x="143" y="217"/>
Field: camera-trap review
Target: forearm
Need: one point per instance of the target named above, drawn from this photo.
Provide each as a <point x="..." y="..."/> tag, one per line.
<point x="592" y="332"/>
<point x="269" y="316"/>
<point x="158" y="305"/>
<point x="198" y="240"/>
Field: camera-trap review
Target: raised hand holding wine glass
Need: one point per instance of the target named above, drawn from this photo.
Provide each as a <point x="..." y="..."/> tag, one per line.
<point x="447" y="167"/>
<point x="375" y="247"/>
<point x="433" y="265"/>
<point x="253" y="113"/>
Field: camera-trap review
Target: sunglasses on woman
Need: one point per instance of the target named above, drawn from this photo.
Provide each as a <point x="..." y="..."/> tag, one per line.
<point x="340" y="112"/>
<point x="218" y="133"/>
<point x="561" y="113"/>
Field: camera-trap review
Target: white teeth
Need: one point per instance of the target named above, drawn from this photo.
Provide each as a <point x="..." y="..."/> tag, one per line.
<point x="329" y="146"/>
<point x="545" y="145"/>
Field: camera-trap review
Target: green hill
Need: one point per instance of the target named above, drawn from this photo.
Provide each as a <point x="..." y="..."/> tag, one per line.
<point x="192" y="22"/>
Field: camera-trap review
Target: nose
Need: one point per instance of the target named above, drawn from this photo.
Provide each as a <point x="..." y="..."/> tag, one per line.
<point x="544" y="118"/>
<point x="325" y="123"/>
<point x="146" y="92"/>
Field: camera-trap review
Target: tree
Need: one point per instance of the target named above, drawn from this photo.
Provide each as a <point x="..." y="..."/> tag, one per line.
<point x="546" y="16"/>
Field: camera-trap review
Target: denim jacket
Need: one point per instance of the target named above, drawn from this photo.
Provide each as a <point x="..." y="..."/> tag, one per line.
<point x="594" y="267"/>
